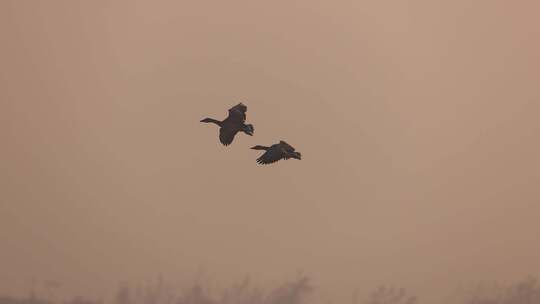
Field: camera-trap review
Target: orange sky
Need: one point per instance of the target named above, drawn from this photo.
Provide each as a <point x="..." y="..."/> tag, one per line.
<point x="417" y="121"/>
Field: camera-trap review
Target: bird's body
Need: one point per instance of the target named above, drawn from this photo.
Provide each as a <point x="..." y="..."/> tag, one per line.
<point x="276" y="152"/>
<point x="233" y="124"/>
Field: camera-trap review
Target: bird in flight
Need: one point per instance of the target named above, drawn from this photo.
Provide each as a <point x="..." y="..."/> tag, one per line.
<point x="276" y="152"/>
<point x="233" y="124"/>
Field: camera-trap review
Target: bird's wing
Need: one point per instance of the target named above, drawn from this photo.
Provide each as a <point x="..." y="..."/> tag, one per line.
<point x="238" y="113"/>
<point x="226" y="135"/>
<point x="272" y="155"/>
<point x="286" y="146"/>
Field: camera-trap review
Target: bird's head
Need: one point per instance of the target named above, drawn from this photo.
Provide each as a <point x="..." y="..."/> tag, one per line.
<point x="296" y="155"/>
<point x="249" y="130"/>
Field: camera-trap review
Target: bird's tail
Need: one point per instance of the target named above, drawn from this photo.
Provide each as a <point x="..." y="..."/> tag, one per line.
<point x="260" y="148"/>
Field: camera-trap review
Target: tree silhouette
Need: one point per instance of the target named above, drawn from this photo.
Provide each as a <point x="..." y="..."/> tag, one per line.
<point x="390" y="295"/>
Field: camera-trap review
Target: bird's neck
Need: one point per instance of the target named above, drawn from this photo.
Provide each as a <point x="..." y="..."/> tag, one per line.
<point x="211" y="120"/>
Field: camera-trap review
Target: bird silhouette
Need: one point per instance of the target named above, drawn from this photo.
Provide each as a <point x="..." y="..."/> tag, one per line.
<point x="233" y="124"/>
<point x="276" y="152"/>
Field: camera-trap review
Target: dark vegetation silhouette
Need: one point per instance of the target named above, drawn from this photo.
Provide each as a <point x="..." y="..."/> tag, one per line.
<point x="390" y="295"/>
<point x="28" y="300"/>
<point x="242" y="293"/>
<point x="298" y="291"/>
<point x="526" y="291"/>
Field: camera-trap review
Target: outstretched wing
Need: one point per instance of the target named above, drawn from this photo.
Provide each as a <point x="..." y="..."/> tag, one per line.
<point x="238" y="113"/>
<point x="285" y="146"/>
<point x="272" y="155"/>
<point x="226" y="135"/>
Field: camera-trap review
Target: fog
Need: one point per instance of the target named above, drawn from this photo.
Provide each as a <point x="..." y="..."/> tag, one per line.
<point x="417" y="122"/>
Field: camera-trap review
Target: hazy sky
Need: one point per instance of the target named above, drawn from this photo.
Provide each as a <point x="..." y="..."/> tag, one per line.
<point x="418" y="123"/>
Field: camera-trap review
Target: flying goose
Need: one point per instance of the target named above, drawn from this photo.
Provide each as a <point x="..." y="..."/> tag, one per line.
<point x="233" y="124"/>
<point x="276" y="152"/>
